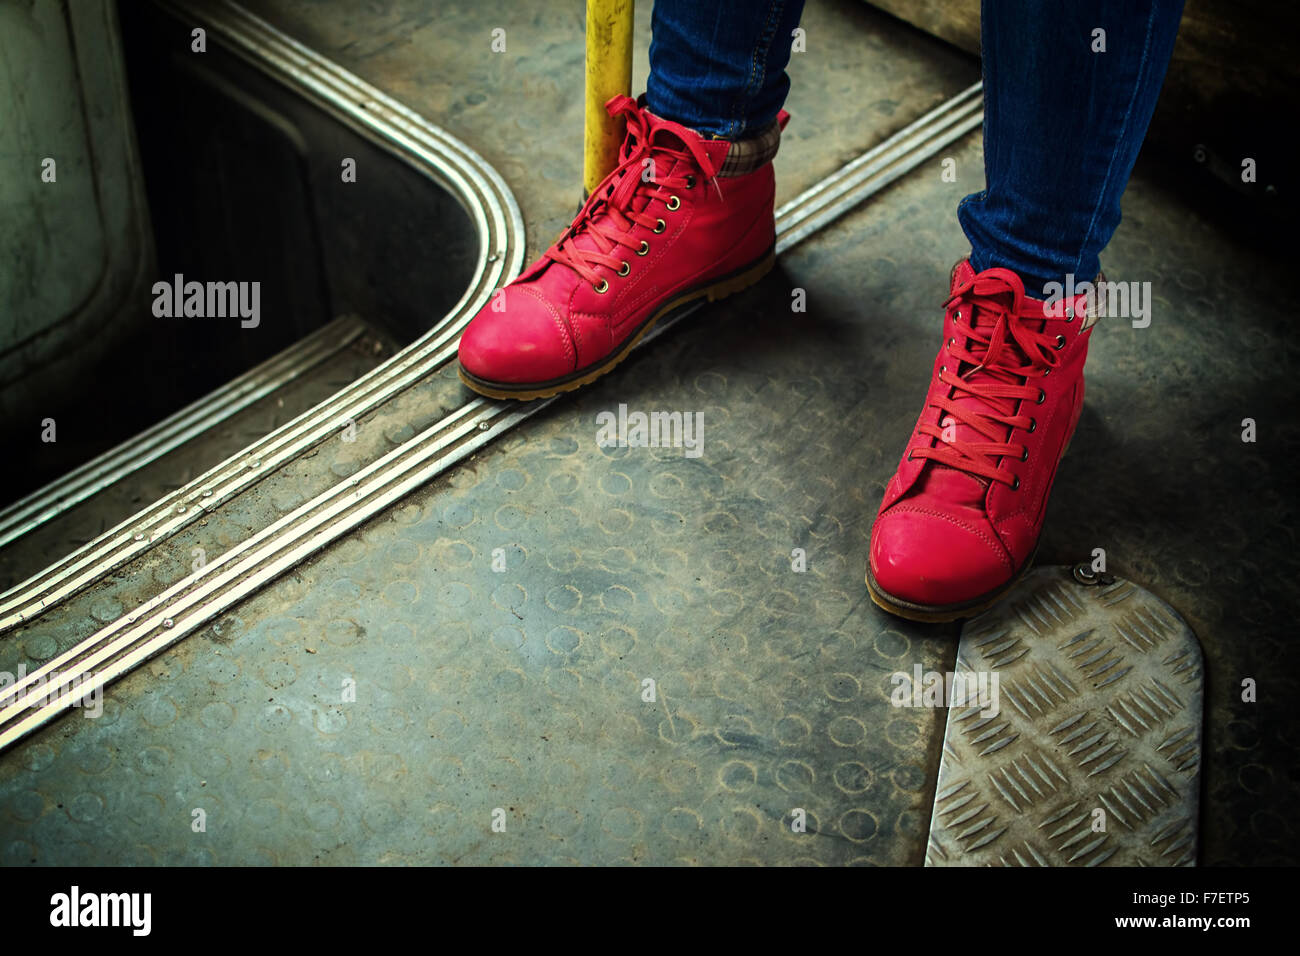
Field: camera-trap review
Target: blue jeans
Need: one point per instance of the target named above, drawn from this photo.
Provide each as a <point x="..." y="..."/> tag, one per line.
<point x="718" y="66"/>
<point x="1062" y="124"/>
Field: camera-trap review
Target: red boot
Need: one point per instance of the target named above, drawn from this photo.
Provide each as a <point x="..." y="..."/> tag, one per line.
<point x="662" y="229"/>
<point x="961" y="517"/>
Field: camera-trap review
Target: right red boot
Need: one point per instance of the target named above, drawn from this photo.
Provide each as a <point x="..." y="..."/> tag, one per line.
<point x="961" y="517"/>
<point x="661" y="230"/>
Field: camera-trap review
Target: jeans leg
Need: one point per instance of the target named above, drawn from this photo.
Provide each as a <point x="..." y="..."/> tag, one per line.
<point x="1063" y="123"/>
<point x="718" y="66"/>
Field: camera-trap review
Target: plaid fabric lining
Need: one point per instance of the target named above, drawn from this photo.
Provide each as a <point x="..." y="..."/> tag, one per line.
<point x="748" y="154"/>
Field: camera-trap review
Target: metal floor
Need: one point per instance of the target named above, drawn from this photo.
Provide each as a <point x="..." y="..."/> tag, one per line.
<point x="392" y="698"/>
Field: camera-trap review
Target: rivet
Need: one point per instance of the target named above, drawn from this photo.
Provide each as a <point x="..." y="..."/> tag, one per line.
<point x="484" y="426"/>
<point x="207" y="493"/>
<point x="255" y="463"/>
<point x="169" y="623"/>
<point x="139" y="536"/>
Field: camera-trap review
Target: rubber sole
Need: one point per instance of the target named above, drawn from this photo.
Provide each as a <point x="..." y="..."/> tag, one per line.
<point x="717" y="289"/>
<point x="940" y="613"/>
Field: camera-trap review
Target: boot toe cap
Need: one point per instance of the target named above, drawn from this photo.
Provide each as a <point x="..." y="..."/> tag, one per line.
<point x="934" y="560"/>
<point x="517" y="339"/>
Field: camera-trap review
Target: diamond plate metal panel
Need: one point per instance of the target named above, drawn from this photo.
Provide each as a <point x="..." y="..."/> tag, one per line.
<point x="1085" y="748"/>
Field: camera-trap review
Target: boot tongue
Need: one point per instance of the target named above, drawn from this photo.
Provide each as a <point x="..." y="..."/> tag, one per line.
<point x="950" y="485"/>
<point x="953" y="484"/>
<point x="622" y="192"/>
<point x="624" y="188"/>
<point x="619" y="189"/>
<point x="664" y="138"/>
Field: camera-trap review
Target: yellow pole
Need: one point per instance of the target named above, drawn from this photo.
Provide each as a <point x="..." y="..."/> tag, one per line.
<point x="609" y="73"/>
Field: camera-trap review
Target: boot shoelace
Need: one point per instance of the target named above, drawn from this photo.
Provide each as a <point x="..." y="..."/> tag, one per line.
<point x="1004" y="343"/>
<point x="608" y="214"/>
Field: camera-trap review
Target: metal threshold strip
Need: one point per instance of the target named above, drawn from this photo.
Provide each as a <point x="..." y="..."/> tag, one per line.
<point x="815" y="208"/>
<point x="411" y="138"/>
<point x="137" y="636"/>
<point x="54" y="499"/>
<point x="193" y="601"/>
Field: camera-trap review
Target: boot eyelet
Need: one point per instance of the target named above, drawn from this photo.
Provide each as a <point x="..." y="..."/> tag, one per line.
<point x="602" y="287"/>
<point x="1042" y="396"/>
<point x="1015" y="485"/>
<point x="909" y="454"/>
<point x="952" y="342"/>
<point x="625" y="268"/>
<point x="957" y="314"/>
<point x="1060" y="342"/>
<point x="660" y="226"/>
<point x="1033" y="425"/>
<point x="690" y="181"/>
<point x="673" y="203"/>
<point x="1069" y="315"/>
<point x="645" y="247"/>
<point x="942" y="369"/>
<point x="1024" y="455"/>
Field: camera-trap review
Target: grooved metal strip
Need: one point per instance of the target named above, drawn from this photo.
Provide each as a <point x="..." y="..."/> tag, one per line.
<point x="203" y="595"/>
<point x="135" y="637"/>
<point x="1086" y="750"/>
<point x="875" y="169"/>
<point x="57" y="497"/>
<point x="427" y="148"/>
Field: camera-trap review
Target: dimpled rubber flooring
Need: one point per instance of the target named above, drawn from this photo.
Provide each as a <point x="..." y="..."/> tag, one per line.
<point x="522" y="691"/>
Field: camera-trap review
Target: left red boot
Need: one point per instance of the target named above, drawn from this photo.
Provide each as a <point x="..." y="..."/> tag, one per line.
<point x="961" y="517"/>
<point x="669" y="225"/>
